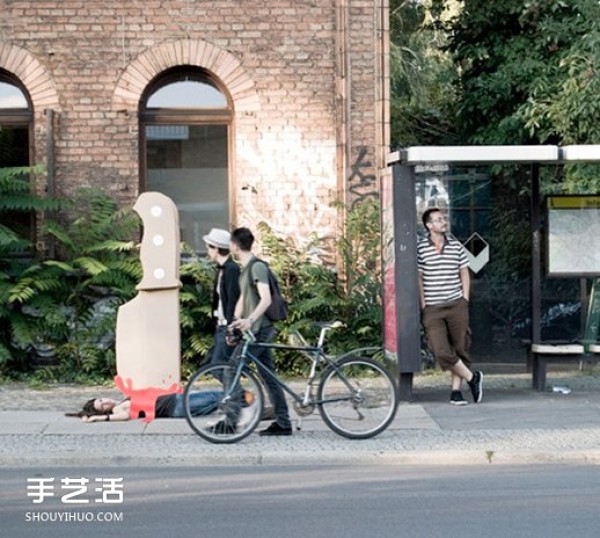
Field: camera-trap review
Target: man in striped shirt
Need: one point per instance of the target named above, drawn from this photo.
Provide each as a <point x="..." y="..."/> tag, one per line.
<point x="444" y="281"/>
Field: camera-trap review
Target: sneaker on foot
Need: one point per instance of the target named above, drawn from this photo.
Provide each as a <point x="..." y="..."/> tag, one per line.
<point x="476" y="386"/>
<point x="456" y="398"/>
<point x="276" y="429"/>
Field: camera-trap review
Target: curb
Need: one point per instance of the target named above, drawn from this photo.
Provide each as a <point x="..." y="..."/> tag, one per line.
<point x="429" y="458"/>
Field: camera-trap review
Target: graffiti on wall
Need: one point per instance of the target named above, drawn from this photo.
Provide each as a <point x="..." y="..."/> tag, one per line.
<point x="303" y="181"/>
<point x="362" y="183"/>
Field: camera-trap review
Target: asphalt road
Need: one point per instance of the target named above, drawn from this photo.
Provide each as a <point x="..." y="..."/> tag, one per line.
<point x="549" y="501"/>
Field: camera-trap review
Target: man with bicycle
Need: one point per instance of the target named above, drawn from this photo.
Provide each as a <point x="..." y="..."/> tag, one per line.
<point x="255" y="298"/>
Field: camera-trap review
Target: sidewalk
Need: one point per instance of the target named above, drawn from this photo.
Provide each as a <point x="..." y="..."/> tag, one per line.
<point x="513" y="425"/>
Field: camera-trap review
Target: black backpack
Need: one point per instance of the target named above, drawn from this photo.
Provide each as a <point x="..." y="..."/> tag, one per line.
<point x="278" y="309"/>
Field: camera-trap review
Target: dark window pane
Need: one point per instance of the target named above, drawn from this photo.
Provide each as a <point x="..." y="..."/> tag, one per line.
<point x="14" y="152"/>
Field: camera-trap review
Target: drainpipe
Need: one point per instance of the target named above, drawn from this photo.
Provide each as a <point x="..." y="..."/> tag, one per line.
<point x="50" y="168"/>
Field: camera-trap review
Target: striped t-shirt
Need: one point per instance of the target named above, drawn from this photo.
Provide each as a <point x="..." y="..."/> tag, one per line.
<point x="441" y="271"/>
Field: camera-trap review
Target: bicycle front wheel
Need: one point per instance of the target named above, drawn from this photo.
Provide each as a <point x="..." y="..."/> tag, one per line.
<point x="220" y="407"/>
<point x="357" y="398"/>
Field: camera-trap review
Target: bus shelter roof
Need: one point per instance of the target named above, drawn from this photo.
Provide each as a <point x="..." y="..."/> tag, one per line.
<point x="417" y="155"/>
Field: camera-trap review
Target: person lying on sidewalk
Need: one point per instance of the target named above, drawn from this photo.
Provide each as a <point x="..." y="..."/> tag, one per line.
<point x="167" y="406"/>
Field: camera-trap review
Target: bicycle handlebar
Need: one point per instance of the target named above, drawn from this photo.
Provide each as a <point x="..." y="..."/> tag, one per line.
<point x="250" y="337"/>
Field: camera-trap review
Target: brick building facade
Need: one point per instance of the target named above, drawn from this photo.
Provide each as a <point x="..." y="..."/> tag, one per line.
<point x="302" y="119"/>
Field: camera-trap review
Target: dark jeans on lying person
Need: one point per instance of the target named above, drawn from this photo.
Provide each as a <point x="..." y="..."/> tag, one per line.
<point x="201" y="403"/>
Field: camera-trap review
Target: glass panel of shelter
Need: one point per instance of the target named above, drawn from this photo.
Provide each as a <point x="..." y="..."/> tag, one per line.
<point x="500" y="307"/>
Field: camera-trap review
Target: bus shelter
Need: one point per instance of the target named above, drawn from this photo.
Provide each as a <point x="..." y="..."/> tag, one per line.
<point x="402" y="333"/>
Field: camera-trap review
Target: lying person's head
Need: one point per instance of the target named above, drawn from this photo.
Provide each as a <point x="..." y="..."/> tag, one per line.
<point x="95" y="406"/>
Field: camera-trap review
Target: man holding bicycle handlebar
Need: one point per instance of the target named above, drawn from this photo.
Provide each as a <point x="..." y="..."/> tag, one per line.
<point x="255" y="298"/>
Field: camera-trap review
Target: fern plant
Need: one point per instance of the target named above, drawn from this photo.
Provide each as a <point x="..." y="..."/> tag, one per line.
<point x="71" y="301"/>
<point x="68" y="304"/>
<point x="18" y="206"/>
<point x="195" y="297"/>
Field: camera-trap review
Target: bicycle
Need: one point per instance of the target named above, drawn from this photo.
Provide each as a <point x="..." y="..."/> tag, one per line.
<point x="356" y="396"/>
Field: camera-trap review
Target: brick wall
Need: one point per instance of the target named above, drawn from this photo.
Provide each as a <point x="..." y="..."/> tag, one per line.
<point x="304" y="78"/>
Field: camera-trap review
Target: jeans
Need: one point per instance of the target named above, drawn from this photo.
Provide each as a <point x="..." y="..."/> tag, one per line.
<point x="201" y="403"/>
<point x="276" y="394"/>
<point x="220" y="352"/>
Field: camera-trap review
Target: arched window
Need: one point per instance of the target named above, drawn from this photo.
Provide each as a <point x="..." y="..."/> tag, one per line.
<point x="185" y="142"/>
<point x="15" y="132"/>
<point x="15" y="119"/>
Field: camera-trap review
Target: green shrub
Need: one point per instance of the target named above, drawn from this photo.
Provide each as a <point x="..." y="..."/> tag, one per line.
<point x="318" y="292"/>
<point x="197" y="276"/>
<point x="18" y="205"/>
<point x="67" y="305"/>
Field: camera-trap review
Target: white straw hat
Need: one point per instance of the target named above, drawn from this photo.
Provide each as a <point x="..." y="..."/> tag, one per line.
<point x="218" y="238"/>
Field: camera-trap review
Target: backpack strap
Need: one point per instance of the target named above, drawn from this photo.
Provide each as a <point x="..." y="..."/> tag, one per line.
<point x="252" y="280"/>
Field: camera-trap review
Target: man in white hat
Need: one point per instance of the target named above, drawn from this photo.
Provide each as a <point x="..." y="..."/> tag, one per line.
<point x="226" y="291"/>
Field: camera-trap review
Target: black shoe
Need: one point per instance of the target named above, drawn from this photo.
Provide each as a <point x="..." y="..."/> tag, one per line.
<point x="221" y="428"/>
<point x="476" y="386"/>
<point x="276" y="429"/>
<point x="456" y="398"/>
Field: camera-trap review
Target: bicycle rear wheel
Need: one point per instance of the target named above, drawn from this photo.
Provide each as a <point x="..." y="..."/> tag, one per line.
<point x="358" y="398"/>
<point x="235" y="407"/>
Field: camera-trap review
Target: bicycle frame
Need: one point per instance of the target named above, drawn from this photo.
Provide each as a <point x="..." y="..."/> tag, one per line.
<point x="314" y="353"/>
<point x="355" y="395"/>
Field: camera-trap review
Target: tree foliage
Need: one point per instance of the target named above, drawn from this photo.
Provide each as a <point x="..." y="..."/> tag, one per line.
<point x="528" y="71"/>
<point x="422" y="92"/>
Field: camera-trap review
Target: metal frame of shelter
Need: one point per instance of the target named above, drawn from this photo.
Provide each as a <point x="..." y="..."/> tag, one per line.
<point x="403" y="209"/>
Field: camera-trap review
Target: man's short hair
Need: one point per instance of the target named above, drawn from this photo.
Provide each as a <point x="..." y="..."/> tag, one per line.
<point x="427" y="214"/>
<point x="243" y="238"/>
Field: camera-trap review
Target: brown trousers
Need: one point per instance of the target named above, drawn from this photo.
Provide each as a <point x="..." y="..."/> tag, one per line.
<point x="448" y="333"/>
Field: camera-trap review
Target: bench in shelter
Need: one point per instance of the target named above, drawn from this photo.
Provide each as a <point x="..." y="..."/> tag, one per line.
<point x="588" y="350"/>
